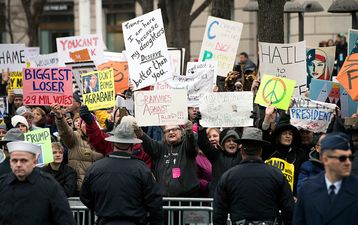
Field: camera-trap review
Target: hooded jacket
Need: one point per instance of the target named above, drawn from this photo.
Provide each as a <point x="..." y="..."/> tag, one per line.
<point x="309" y="168"/>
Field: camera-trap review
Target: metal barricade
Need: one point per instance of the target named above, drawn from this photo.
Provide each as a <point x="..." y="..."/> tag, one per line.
<point x="81" y="214"/>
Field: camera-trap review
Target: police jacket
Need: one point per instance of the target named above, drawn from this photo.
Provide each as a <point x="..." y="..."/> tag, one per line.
<point x="37" y="200"/>
<point x="121" y="188"/>
<point x="253" y="190"/>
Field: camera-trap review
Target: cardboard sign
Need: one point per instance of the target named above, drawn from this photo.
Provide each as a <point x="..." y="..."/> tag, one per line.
<point x="157" y="108"/>
<point x="320" y="62"/>
<point x="226" y="109"/>
<point x="4" y="107"/>
<point x="352" y="42"/>
<point x="348" y="76"/>
<point x="176" y="56"/>
<point x="275" y="90"/>
<point x="80" y="55"/>
<point x="42" y="137"/>
<point x="15" y="83"/>
<point x="98" y="89"/>
<point x="68" y="46"/>
<point x="12" y="57"/>
<point x="120" y="70"/>
<point x="220" y="42"/>
<point x="285" y="60"/>
<point x="331" y="92"/>
<point x="46" y="86"/>
<point x="47" y="60"/>
<point x="311" y="115"/>
<point x="146" y="49"/>
<point x="287" y="169"/>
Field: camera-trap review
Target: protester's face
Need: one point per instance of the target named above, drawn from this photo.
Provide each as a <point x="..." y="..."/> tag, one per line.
<point x="29" y="117"/>
<point x="318" y="144"/>
<point x="77" y="123"/>
<point x="37" y="116"/>
<point x="214" y="137"/>
<point x="22" y="164"/>
<point x="22" y="127"/>
<point x="334" y="166"/>
<point x="192" y="111"/>
<point x="57" y="154"/>
<point x="2" y="133"/>
<point x="172" y="134"/>
<point x="242" y="59"/>
<point x="93" y="81"/>
<point x="286" y="137"/>
<point x="83" y="128"/>
<point x="306" y="136"/>
<point x="18" y="101"/>
<point x="230" y="146"/>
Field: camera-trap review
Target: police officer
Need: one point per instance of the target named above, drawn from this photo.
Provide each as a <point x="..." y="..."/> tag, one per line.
<point x="253" y="192"/>
<point x="28" y="195"/>
<point x="120" y="188"/>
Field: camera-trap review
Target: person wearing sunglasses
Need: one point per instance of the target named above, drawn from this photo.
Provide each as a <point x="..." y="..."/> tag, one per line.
<point x="330" y="197"/>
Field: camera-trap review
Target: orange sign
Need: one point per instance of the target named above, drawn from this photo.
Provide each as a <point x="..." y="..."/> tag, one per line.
<point x="80" y="55"/>
<point x="120" y="70"/>
<point x="348" y="76"/>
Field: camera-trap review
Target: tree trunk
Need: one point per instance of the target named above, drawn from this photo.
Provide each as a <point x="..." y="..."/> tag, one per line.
<point x="146" y="5"/>
<point x="9" y="21"/>
<point x="270" y="21"/>
<point x="222" y="8"/>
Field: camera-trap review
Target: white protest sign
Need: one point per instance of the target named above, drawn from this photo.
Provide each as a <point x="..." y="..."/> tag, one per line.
<point x="146" y="49"/>
<point x="311" y="115"/>
<point x="176" y="56"/>
<point x="220" y="42"/>
<point x="12" y="57"/>
<point x="47" y="60"/>
<point x="80" y="48"/>
<point x="114" y="56"/>
<point x="285" y="60"/>
<point x="32" y="52"/>
<point x="226" y="109"/>
<point x="157" y="108"/>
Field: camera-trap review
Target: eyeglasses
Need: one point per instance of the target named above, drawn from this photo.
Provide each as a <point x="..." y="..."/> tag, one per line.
<point x="172" y="130"/>
<point x="342" y="158"/>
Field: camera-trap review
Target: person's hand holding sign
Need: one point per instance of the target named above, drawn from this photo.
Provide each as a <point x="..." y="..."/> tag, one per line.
<point x="5" y="76"/>
<point x="56" y="108"/>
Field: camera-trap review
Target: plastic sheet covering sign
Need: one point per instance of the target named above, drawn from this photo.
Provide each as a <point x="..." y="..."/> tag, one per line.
<point x="120" y="70"/>
<point x="226" y="109"/>
<point x="287" y="169"/>
<point x="275" y="90"/>
<point x="42" y="137"/>
<point x="146" y="49"/>
<point x="98" y="89"/>
<point x="164" y="107"/>
<point x="311" y="115"/>
<point x="46" y="60"/>
<point x="12" y="57"/>
<point x="46" y="86"/>
<point x="220" y="42"/>
<point x="348" y="76"/>
<point x="287" y="61"/>
<point x="15" y="84"/>
<point x="79" y="48"/>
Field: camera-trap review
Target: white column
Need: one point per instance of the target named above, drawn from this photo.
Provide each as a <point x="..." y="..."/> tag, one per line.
<point x="99" y="17"/>
<point x="85" y="17"/>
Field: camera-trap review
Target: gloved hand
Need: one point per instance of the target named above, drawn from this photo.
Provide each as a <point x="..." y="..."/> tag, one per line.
<point x="197" y="118"/>
<point x="86" y="115"/>
<point x="109" y="125"/>
<point x="137" y="130"/>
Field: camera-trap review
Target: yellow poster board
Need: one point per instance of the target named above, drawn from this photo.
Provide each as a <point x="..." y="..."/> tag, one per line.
<point x="15" y="83"/>
<point x="287" y="169"/>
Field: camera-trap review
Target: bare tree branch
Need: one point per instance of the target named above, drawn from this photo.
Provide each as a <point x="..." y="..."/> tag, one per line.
<point x="201" y="8"/>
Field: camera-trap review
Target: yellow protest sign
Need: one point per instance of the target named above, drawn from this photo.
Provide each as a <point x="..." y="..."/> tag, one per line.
<point x="98" y="89"/>
<point x="276" y="90"/>
<point x="287" y="169"/>
<point x="15" y="83"/>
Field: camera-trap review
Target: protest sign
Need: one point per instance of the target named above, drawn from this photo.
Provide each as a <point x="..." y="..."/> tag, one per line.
<point x="120" y="70"/>
<point x="4" y="107"/>
<point x="176" y="56"/>
<point x="287" y="169"/>
<point x="79" y="68"/>
<point x="220" y="42"/>
<point x="352" y="41"/>
<point x="146" y="49"/>
<point x="15" y="84"/>
<point x="47" y="60"/>
<point x="275" y="90"/>
<point x="46" y="86"/>
<point x="311" y="115"/>
<point x="68" y="46"/>
<point x="98" y="89"/>
<point x="320" y="62"/>
<point x="12" y="57"/>
<point x="41" y="137"/>
<point x="331" y="92"/>
<point x="115" y="56"/>
<point x="226" y="109"/>
<point x="80" y="55"/>
<point x="32" y="52"/>
<point x="348" y="76"/>
<point x="285" y="60"/>
<point x="164" y="107"/>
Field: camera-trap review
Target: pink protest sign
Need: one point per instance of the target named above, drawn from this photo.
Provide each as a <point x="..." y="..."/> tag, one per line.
<point x="45" y="86"/>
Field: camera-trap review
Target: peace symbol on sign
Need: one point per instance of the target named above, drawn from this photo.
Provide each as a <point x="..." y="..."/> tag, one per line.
<point x="274" y="91"/>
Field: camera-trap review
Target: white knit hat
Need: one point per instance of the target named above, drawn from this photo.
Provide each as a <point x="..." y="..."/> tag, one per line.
<point x="19" y="119"/>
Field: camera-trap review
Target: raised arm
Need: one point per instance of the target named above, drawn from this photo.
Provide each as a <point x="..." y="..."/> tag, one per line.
<point x="66" y="133"/>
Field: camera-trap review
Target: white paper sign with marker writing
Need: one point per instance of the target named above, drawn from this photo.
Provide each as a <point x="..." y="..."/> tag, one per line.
<point x="12" y="57"/>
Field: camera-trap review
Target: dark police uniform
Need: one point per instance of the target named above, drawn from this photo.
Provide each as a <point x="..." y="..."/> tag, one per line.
<point x="39" y="200"/>
<point x="121" y="190"/>
<point x="253" y="191"/>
